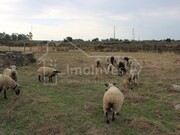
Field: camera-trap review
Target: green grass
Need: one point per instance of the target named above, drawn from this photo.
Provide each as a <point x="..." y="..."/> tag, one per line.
<point x="74" y="105"/>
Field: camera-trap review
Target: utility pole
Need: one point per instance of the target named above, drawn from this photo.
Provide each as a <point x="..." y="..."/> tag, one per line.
<point x="114" y="32"/>
<point x="133" y="35"/>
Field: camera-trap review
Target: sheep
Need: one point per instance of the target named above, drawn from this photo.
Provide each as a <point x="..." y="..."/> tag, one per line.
<point x="7" y="82"/>
<point x="112" y="101"/>
<point x="12" y="72"/>
<point x="112" y="60"/>
<point x="136" y="65"/>
<point x="132" y="80"/>
<point x="133" y="77"/>
<point x="110" y="68"/>
<point x="46" y="72"/>
<point x="109" y="60"/>
<point x="121" y="67"/>
<point x="129" y="62"/>
<point x="98" y="62"/>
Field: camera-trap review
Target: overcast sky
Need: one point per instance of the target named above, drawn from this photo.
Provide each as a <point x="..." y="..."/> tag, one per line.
<point x="88" y="19"/>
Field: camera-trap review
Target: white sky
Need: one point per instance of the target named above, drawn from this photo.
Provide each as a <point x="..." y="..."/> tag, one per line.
<point x="88" y="19"/>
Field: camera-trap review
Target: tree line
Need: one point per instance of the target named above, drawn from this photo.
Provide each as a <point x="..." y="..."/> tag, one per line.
<point x="15" y="36"/>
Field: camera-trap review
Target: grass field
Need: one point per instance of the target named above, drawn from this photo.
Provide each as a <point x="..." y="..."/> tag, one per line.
<point x="74" y="105"/>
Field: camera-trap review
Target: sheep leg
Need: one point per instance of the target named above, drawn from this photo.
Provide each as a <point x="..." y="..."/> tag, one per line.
<point x="50" y="79"/>
<point x="43" y="78"/>
<point x="5" y="94"/>
<point x="39" y="78"/>
<point x="107" y="118"/>
<point x="113" y="118"/>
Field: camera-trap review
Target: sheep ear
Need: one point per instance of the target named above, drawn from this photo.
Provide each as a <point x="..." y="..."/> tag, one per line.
<point x="114" y="83"/>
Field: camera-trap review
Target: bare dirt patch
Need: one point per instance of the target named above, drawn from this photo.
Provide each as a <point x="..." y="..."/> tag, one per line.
<point x="134" y="97"/>
<point x="51" y="129"/>
<point x="144" y="125"/>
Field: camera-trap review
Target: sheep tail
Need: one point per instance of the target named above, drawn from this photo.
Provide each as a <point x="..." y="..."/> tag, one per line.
<point x="110" y="106"/>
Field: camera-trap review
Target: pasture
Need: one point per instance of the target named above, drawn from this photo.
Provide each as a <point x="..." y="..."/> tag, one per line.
<point x="73" y="105"/>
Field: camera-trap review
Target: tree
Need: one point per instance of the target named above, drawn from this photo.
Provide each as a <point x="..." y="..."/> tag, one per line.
<point x="95" y="40"/>
<point x="22" y="37"/>
<point x="2" y="35"/>
<point x="7" y="37"/>
<point x="29" y="36"/>
<point x="14" y="36"/>
<point x="69" y="39"/>
<point x="168" y="40"/>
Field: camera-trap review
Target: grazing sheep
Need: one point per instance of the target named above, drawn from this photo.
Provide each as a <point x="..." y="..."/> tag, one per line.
<point x="110" y="68"/>
<point x="129" y="62"/>
<point x="98" y="63"/>
<point x="112" y="60"/>
<point x="121" y="67"/>
<point x="46" y="72"/>
<point x="133" y="78"/>
<point x="112" y="101"/>
<point x="7" y="82"/>
<point x="109" y="60"/>
<point x="137" y="66"/>
<point x="126" y="60"/>
<point x="12" y="72"/>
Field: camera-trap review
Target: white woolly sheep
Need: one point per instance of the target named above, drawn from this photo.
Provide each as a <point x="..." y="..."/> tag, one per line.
<point x="46" y="72"/>
<point x="110" y="68"/>
<point x="12" y="72"/>
<point x="136" y="65"/>
<point x="133" y="78"/>
<point x="129" y="62"/>
<point x="112" y="101"/>
<point x="7" y="82"/>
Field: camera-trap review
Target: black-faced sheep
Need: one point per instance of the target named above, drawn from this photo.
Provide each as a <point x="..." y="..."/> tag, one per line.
<point x="12" y="72"/>
<point x="109" y="60"/>
<point x="112" y="60"/>
<point x="121" y="68"/>
<point x="6" y="82"/>
<point x="98" y="63"/>
<point x="112" y="101"/>
<point x="46" y="72"/>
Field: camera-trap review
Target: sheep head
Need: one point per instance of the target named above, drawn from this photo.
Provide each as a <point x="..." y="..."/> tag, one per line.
<point x="108" y="85"/>
<point x="17" y="89"/>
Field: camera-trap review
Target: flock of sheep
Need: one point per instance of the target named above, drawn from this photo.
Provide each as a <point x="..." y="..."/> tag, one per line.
<point x="113" y="97"/>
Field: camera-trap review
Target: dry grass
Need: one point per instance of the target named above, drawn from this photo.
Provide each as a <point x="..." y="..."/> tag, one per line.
<point x="74" y="105"/>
